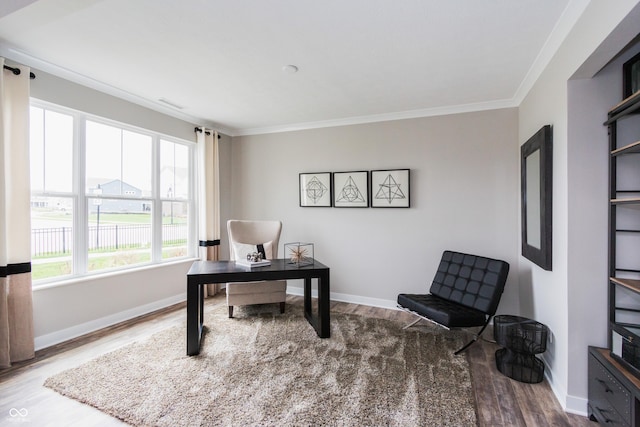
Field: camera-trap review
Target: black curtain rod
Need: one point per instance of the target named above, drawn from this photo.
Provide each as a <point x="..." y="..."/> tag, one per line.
<point x="17" y="71"/>
<point x="206" y="133"/>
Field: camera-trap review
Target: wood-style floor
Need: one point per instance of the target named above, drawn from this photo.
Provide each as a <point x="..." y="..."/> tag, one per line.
<point x="500" y="400"/>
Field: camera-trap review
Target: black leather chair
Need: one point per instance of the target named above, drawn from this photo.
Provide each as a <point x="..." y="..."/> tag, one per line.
<point x="464" y="293"/>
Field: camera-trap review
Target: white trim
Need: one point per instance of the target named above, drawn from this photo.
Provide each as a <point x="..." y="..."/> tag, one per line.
<point x="375" y="118"/>
<point x="570" y="404"/>
<point x="62" y="335"/>
<point x="560" y="31"/>
<point x="72" y="76"/>
<point x="354" y="299"/>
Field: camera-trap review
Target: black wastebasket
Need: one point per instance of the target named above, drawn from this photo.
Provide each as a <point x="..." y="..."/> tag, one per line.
<point x="522" y="339"/>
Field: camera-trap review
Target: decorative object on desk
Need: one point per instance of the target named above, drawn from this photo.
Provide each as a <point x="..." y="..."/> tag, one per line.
<point x="631" y="76"/>
<point x="351" y="189"/>
<point x="522" y="339"/>
<point x="390" y="188"/>
<point x="254" y="256"/>
<point x="315" y="189"/>
<point x="299" y="253"/>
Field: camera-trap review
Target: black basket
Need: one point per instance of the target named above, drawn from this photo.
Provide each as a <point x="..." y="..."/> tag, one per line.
<point x="520" y="334"/>
<point x="520" y="366"/>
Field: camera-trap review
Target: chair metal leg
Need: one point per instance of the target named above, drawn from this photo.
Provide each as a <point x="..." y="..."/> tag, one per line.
<point x="412" y="323"/>
<point x="230" y="311"/>
<point x="474" y="339"/>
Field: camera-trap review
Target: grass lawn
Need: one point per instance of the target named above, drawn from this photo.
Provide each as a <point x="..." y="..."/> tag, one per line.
<point x="127" y="254"/>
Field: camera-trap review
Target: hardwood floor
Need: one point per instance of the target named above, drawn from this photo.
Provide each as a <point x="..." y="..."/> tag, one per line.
<point x="500" y="400"/>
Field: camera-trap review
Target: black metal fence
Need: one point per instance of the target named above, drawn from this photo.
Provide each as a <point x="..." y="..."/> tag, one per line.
<point x="59" y="241"/>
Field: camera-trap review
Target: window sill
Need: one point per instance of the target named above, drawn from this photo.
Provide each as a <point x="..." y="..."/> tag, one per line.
<point x="96" y="276"/>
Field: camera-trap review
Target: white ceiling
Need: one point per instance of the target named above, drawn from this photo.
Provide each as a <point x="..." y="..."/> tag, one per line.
<point x="359" y="60"/>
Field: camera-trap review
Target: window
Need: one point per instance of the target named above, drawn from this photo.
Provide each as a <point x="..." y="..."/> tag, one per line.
<point x="105" y="195"/>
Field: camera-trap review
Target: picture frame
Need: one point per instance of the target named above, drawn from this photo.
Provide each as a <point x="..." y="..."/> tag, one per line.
<point x="315" y="189"/>
<point x="351" y="189"/>
<point x="390" y="188"/>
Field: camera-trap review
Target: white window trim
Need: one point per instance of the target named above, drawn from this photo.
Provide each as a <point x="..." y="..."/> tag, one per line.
<point x="81" y="199"/>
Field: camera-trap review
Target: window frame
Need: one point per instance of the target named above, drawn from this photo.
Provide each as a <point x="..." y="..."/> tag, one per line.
<point x="81" y="198"/>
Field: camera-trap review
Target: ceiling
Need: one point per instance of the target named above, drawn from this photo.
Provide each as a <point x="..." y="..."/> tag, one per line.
<point x="221" y="61"/>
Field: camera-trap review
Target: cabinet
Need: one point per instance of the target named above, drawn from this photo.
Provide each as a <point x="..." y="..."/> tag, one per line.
<point x="614" y="396"/>
<point x="614" y="373"/>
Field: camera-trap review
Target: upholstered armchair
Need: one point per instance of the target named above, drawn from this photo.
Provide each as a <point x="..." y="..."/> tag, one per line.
<point x="254" y="236"/>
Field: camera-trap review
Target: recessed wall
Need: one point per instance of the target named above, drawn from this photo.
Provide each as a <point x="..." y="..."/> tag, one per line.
<point x="464" y="197"/>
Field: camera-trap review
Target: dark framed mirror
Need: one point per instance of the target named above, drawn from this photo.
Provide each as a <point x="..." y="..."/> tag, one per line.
<point x="536" y="173"/>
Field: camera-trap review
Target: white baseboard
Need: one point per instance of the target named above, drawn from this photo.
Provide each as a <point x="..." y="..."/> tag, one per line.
<point x="57" y="337"/>
<point x="355" y="299"/>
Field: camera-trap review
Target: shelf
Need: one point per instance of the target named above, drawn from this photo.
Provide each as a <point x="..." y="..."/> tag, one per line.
<point x="631" y="284"/>
<point x="627" y="106"/>
<point x="626" y="201"/>
<point x="629" y="149"/>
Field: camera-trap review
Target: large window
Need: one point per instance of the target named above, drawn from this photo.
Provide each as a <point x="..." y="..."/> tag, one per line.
<point x="105" y="195"/>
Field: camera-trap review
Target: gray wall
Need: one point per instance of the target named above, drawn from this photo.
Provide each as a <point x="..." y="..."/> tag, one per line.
<point x="464" y="197"/>
<point x="50" y="88"/>
<point x="571" y="299"/>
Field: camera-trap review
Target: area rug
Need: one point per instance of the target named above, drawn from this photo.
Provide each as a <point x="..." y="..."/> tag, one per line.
<point x="266" y="369"/>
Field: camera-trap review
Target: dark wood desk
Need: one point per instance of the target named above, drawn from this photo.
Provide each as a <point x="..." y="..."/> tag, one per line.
<point x="204" y="272"/>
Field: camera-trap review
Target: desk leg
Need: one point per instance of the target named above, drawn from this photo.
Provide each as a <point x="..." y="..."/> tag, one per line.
<point x="324" y="325"/>
<point x="195" y="301"/>
<point x="321" y="322"/>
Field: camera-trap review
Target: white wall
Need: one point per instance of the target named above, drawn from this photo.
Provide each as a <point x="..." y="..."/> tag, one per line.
<point x="571" y="299"/>
<point x="464" y="197"/>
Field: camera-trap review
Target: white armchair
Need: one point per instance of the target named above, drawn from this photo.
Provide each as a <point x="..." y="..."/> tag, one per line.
<point x="244" y="237"/>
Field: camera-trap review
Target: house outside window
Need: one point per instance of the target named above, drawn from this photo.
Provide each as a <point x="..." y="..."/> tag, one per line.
<point x="105" y="195"/>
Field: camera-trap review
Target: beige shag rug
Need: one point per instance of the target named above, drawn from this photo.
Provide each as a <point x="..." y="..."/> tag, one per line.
<point x="266" y="369"/>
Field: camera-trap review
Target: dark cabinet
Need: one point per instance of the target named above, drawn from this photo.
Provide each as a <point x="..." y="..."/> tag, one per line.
<point x="614" y="394"/>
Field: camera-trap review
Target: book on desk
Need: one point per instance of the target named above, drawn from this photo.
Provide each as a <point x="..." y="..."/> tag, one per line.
<point x="252" y="264"/>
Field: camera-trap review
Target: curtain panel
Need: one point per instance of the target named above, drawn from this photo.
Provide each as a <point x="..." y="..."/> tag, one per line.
<point x="208" y="199"/>
<point x="16" y="303"/>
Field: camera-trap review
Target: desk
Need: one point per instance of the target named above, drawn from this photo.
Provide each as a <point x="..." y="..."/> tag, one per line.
<point x="204" y="272"/>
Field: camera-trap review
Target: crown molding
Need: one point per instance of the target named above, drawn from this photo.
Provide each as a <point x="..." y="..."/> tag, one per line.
<point x="374" y="118"/>
<point x="72" y="76"/>
<point x="568" y="19"/>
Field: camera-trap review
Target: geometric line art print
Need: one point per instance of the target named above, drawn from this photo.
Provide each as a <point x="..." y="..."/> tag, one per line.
<point x="350" y="192"/>
<point x="315" y="189"/>
<point x="390" y="190"/>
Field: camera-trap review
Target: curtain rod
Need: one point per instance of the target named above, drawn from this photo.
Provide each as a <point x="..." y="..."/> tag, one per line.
<point x="17" y="71"/>
<point x="206" y="132"/>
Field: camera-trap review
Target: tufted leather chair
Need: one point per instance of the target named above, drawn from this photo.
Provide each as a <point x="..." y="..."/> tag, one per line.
<point x="465" y="292"/>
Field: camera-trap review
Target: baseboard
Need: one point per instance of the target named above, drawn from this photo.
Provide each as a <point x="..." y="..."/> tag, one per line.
<point x="354" y="299"/>
<point x="62" y="335"/>
<point x="570" y="404"/>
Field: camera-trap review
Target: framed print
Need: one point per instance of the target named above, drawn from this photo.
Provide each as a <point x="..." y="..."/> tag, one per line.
<point x="351" y="189"/>
<point x="390" y="188"/>
<point x="315" y="189"/>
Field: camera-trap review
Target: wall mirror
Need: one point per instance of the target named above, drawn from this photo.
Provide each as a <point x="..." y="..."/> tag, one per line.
<point x="536" y="167"/>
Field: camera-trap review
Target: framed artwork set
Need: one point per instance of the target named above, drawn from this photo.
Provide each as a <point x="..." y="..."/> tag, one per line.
<point x="387" y="188"/>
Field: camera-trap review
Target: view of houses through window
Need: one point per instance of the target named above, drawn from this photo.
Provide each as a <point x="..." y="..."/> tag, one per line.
<point x="104" y="195"/>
